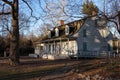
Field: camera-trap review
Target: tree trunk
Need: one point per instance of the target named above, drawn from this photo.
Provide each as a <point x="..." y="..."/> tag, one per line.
<point x="14" y="43"/>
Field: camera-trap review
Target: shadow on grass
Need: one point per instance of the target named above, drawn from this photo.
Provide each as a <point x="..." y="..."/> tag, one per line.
<point x="27" y="75"/>
<point x="35" y="74"/>
<point x="25" y="63"/>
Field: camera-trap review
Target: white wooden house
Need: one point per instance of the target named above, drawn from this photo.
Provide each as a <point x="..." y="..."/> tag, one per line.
<point x="88" y="37"/>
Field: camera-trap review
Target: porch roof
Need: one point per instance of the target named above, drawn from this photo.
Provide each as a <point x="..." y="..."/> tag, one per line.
<point x="59" y="39"/>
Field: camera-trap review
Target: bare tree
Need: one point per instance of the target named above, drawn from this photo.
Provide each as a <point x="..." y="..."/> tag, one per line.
<point x="5" y="23"/>
<point x="55" y="10"/>
<point x="14" y="43"/>
<point x="112" y="12"/>
<point x="11" y="7"/>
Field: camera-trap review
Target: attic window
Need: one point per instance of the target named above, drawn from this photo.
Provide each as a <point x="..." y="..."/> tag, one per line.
<point x="49" y="34"/>
<point x="56" y="32"/>
<point x="66" y="30"/>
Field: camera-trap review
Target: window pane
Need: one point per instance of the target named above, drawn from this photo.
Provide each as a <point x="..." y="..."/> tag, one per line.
<point x="84" y="46"/>
<point x="84" y="33"/>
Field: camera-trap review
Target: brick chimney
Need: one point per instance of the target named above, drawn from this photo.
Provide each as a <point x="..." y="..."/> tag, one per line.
<point x="94" y="12"/>
<point x="61" y="22"/>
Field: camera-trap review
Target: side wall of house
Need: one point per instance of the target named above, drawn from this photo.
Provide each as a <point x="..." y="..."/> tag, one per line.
<point x="90" y="38"/>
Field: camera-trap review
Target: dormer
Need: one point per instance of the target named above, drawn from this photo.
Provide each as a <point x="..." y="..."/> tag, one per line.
<point x="67" y="30"/>
<point x="49" y="33"/>
<point x="56" y="32"/>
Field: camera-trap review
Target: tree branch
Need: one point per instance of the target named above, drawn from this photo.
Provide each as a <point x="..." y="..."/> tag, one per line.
<point x="69" y="15"/>
<point x="114" y="22"/>
<point x="30" y="9"/>
<point x="2" y="12"/>
<point x="114" y="16"/>
<point x="5" y="13"/>
<point x="41" y="7"/>
<point x="7" y="2"/>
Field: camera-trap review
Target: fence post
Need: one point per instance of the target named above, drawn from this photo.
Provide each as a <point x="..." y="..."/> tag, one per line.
<point x="5" y="54"/>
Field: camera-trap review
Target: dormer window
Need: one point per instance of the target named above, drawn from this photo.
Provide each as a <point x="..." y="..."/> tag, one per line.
<point x="56" y="32"/>
<point x="49" y="34"/>
<point x="66" y="30"/>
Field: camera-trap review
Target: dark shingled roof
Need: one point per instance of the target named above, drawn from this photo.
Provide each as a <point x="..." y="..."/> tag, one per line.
<point x="73" y="28"/>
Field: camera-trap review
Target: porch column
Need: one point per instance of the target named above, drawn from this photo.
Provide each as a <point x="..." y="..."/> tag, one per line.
<point x="51" y="49"/>
<point x="48" y="48"/>
<point x="5" y="55"/>
<point x="60" y="46"/>
<point x="54" y="48"/>
<point x="117" y="47"/>
<point x="68" y="46"/>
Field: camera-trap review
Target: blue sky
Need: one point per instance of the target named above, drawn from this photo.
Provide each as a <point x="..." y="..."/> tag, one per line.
<point x="54" y="9"/>
<point x="39" y="11"/>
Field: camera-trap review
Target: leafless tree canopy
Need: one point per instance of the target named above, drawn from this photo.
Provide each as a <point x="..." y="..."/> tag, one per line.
<point x="51" y="11"/>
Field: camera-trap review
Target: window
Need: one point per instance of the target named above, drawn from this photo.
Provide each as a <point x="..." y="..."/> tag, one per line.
<point x="56" y="32"/>
<point x="109" y="48"/>
<point x="84" y="46"/>
<point x="41" y="48"/>
<point x="66" y="30"/>
<point x="84" y="33"/>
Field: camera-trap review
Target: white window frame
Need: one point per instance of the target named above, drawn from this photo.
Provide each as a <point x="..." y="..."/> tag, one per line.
<point x="56" y="32"/>
<point x="49" y="34"/>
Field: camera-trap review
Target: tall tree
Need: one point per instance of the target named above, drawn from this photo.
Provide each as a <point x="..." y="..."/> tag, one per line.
<point x="14" y="43"/>
<point x="11" y="8"/>
<point x="14" y="37"/>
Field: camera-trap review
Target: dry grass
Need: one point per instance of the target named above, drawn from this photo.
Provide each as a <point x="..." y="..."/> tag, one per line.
<point x="31" y="68"/>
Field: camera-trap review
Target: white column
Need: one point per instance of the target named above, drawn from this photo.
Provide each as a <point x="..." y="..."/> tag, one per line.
<point x="68" y="46"/>
<point x="5" y="55"/>
<point x="117" y="46"/>
<point x="51" y="48"/>
<point x="48" y="48"/>
<point x="60" y="46"/>
<point x="54" y="48"/>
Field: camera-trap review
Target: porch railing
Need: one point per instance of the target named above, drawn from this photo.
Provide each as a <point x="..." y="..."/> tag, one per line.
<point x="98" y="54"/>
<point x="86" y="54"/>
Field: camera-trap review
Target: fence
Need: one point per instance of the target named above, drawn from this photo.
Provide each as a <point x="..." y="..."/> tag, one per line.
<point x="84" y="54"/>
<point x="98" y="54"/>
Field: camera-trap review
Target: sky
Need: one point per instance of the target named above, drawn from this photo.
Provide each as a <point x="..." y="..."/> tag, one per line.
<point x="39" y="12"/>
<point x="65" y="2"/>
<point x="54" y="7"/>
